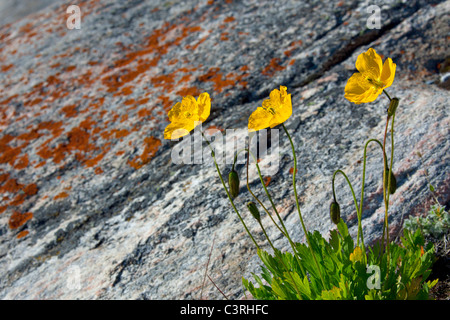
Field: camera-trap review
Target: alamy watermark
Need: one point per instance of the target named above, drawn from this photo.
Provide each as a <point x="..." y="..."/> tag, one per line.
<point x="374" y="281"/>
<point x="74" y="20"/>
<point x="74" y="278"/>
<point x="374" y="21"/>
<point x="263" y="145"/>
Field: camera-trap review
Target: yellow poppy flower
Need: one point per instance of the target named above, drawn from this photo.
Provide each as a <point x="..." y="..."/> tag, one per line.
<point x="186" y="115"/>
<point x="373" y="77"/>
<point x="357" y="255"/>
<point x="275" y="110"/>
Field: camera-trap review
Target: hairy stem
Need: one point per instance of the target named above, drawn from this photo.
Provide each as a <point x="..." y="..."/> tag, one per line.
<point x="228" y="194"/>
<point x="358" y="211"/>
<point x="298" y="206"/>
<point x="285" y="232"/>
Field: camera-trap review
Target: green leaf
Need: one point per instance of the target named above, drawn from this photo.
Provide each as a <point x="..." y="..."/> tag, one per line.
<point x="373" y="295"/>
<point x="333" y="294"/>
<point x="342" y="227"/>
<point x="334" y="240"/>
<point x="279" y="290"/>
<point x="303" y="286"/>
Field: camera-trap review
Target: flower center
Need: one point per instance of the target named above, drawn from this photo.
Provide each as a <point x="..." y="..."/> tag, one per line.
<point x="377" y="83"/>
<point x="271" y="110"/>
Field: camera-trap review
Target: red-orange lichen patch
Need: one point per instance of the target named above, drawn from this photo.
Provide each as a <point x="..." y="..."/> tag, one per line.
<point x="30" y="189"/>
<point x="18" y="199"/>
<point x="143" y="113"/>
<point x="267" y="181"/>
<point x="70" y="111"/>
<point x="215" y="76"/>
<point x="8" y="154"/>
<point x="61" y="195"/>
<point x="229" y="19"/>
<point x="70" y="68"/>
<point x="22" y="162"/>
<point x="195" y="46"/>
<point x="224" y="36"/>
<point x="94" y="161"/>
<point x="211" y="130"/>
<point x="18" y="219"/>
<point x="151" y="147"/>
<point x="7" y="67"/>
<point x="121" y="133"/>
<point x="3" y="209"/>
<point x="10" y="185"/>
<point x="98" y="170"/>
<point x="273" y="67"/>
<point x="191" y="91"/>
<point x="22" y="234"/>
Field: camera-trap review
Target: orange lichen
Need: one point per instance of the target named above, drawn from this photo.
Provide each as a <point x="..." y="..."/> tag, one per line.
<point x="213" y="75"/>
<point x="224" y="36"/>
<point x="94" y="161"/>
<point x="191" y="91"/>
<point x="18" y="199"/>
<point x="11" y="185"/>
<point x="22" y="234"/>
<point x="273" y="67"/>
<point x="211" y="130"/>
<point x="18" y="219"/>
<point x="121" y="133"/>
<point x="144" y="113"/>
<point x="70" y="111"/>
<point x="123" y="118"/>
<point x="291" y="171"/>
<point x="22" y="162"/>
<point x="8" y="154"/>
<point x="61" y="195"/>
<point x="30" y="189"/>
<point x="98" y="170"/>
<point x="7" y="67"/>
<point x="151" y="147"/>
<point x="229" y="19"/>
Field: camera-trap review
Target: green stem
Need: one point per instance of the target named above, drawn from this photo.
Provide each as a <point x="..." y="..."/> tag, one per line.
<point x="254" y="196"/>
<point x="364" y="176"/>
<point x="364" y="172"/>
<point x="384" y="184"/>
<point x="268" y="195"/>
<point x="298" y="206"/>
<point x="389" y="97"/>
<point x="285" y="232"/>
<point x="276" y="252"/>
<point x="358" y="212"/>
<point x="228" y="194"/>
<point x="389" y="185"/>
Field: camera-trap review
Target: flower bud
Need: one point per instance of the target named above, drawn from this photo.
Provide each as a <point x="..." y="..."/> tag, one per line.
<point x="254" y="210"/>
<point x="393" y="185"/>
<point x="393" y="106"/>
<point x="233" y="182"/>
<point x="335" y="212"/>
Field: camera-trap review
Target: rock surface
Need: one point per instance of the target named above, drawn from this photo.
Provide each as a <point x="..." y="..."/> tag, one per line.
<point x="92" y="204"/>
